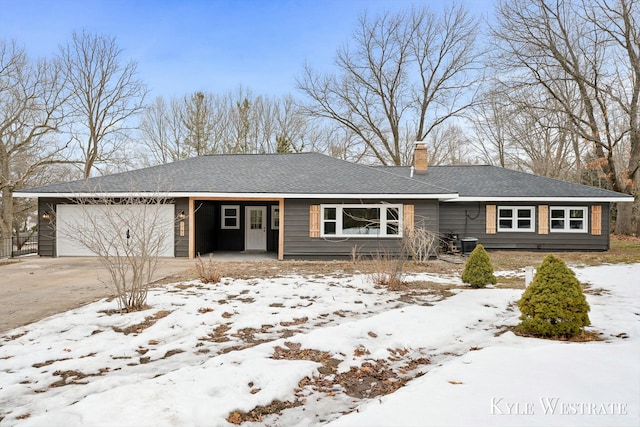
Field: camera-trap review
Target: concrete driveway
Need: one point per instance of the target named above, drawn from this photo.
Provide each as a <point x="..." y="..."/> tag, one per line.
<point x="32" y="288"/>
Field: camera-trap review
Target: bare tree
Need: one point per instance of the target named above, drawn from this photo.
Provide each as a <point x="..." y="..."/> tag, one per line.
<point x="449" y="145"/>
<point x="30" y="114"/>
<point x="291" y="123"/>
<point x="490" y="123"/>
<point x="104" y="95"/>
<point x="586" y="56"/>
<point x="163" y="133"/>
<point x="235" y="122"/>
<point x="403" y="77"/>
<point x="128" y="236"/>
<point x="513" y="131"/>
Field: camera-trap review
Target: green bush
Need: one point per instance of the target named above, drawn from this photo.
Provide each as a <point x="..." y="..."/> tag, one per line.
<point x="553" y="305"/>
<point x="478" y="272"/>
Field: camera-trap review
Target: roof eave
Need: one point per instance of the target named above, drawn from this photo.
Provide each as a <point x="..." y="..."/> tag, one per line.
<point x="208" y="195"/>
<point x="545" y="199"/>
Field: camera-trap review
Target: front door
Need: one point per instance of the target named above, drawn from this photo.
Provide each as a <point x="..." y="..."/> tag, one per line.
<point x="255" y="228"/>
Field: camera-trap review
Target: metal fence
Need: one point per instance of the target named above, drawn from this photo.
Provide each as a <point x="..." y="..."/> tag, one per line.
<point x="18" y="245"/>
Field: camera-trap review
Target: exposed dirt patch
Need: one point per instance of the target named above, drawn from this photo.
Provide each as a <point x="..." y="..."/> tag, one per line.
<point x="294" y="352"/>
<point x="248" y="334"/>
<point x="49" y="362"/>
<point x="588" y="289"/>
<point x="295" y="321"/>
<point x="625" y="249"/>
<point x="114" y="311"/>
<point x="147" y="322"/>
<point x="371" y="379"/>
<point x="219" y="334"/>
<point x="172" y="353"/>
<point x="259" y="412"/>
<point x="583" y="336"/>
<point x="72" y="377"/>
<point x="14" y="337"/>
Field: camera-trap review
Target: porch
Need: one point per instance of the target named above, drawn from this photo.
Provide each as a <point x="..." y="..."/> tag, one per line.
<point x="236" y="228"/>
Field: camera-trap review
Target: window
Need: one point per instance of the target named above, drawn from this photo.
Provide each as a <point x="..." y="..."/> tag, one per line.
<point x="516" y="218"/>
<point x="230" y="217"/>
<point x="361" y="220"/>
<point x="275" y="217"/>
<point x="255" y="219"/>
<point x="568" y="219"/>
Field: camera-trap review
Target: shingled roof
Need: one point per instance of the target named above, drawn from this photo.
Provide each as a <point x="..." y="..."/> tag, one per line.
<point x="314" y="175"/>
<point x="252" y="175"/>
<point x="484" y="182"/>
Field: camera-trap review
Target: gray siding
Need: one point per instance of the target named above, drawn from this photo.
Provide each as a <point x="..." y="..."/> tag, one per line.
<point x="181" y="242"/>
<point x="468" y="219"/>
<point x="47" y="228"/>
<point x="298" y="244"/>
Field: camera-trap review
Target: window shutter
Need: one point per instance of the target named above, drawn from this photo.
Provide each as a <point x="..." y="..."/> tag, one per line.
<point x="596" y="220"/>
<point x="543" y="219"/>
<point x="491" y="219"/>
<point x="314" y="221"/>
<point x="408" y="219"/>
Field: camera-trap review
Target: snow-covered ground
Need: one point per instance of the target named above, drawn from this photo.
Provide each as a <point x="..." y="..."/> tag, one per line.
<point x="317" y="350"/>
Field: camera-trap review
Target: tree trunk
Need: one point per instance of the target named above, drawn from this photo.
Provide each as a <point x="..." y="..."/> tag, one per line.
<point x="624" y="220"/>
<point x="6" y="220"/>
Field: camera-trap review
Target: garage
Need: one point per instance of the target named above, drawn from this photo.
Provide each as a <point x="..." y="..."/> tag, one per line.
<point x="86" y="230"/>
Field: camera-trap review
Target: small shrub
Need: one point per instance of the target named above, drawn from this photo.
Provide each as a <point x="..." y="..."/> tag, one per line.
<point x="478" y="272"/>
<point x="387" y="271"/>
<point x="554" y="304"/>
<point x="207" y="272"/>
<point x="420" y="243"/>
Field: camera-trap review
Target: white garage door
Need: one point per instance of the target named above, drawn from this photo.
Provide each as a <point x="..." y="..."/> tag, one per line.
<point x="85" y="230"/>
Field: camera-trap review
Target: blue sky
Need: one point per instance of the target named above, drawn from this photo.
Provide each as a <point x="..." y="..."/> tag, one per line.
<point x="215" y="45"/>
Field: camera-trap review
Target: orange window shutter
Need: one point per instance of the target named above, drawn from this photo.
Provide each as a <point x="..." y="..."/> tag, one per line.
<point x="543" y="219"/>
<point x="596" y="220"/>
<point x="408" y="219"/>
<point x="491" y="219"/>
<point x="314" y="221"/>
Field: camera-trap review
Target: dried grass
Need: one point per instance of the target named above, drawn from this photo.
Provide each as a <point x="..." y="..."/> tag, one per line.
<point x="208" y="272"/>
<point x="388" y="271"/>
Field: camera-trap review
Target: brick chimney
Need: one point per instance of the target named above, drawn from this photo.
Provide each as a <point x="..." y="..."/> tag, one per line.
<point x="420" y="159"/>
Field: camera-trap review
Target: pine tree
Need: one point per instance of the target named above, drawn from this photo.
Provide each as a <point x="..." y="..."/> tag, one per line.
<point x="478" y="272"/>
<point x="554" y="304"/>
<point x="283" y="145"/>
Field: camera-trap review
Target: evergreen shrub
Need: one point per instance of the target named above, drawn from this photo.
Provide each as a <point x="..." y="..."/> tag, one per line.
<point x="478" y="272"/>
<point x="554" y="305"/>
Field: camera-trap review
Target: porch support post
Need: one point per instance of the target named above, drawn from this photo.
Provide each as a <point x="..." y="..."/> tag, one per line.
<point x="192" y="229"/>
<point x="281" y="231"/>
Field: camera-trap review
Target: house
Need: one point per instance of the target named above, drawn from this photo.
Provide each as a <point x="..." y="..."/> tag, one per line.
<point x="310" y="205"/>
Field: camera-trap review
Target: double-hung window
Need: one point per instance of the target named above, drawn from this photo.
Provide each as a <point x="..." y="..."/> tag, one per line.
<point x="372" y="220"/>
<point x="568" y="219"/>
<point x="516" y="218"/>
